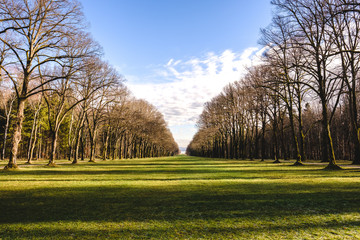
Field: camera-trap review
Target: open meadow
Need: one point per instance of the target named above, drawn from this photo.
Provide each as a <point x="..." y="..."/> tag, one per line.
<point x="179" y="197"/>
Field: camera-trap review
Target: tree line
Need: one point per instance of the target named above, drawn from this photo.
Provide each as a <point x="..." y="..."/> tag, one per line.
<point x="60" y="99"/>
<point x="302" y="101"/>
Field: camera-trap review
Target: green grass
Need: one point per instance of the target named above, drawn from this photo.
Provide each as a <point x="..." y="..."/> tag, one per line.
<point x="179" y="198"/>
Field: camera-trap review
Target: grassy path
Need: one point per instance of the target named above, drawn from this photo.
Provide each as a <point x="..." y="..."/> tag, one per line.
<point x="179" y="198"/>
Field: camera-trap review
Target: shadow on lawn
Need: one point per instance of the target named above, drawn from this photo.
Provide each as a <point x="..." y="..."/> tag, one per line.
<point x="121" y="203"/>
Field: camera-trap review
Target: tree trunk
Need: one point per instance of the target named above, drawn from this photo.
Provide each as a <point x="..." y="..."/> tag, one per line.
<point x="356" y="141"/>
<point x="263" y="140"/>
<point x="8" y="114"/>
<point x="17" y="134"/>
<point x="91" y="151"/>
<point x="38" y="155"/>
<point x="256" y="154"/>
<point x="302" y="136"/>
<point x="54" y="136"/>
<point x="328" y="154"/>
<point x="284" y="153"/>
<point x="82" y="144"/>
<point x="355" y="129"/>
<point x="275" y="138"/>
<point x="276" y="146"/>
<point x="298" y="161"/>
<point x="106" y="143"/>
<point x="76" y="149"/>
<point x="34" y="143"/>
<point x="33" y="135"/>
<point x="77" y="138"/>
<point x="92" y="146"/>
<point x="69" y="136"/>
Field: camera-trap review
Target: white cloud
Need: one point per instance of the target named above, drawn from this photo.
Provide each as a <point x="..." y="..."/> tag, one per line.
<point x="193" y="82"/>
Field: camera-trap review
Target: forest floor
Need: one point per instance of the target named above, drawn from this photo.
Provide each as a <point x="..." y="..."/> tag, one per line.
<point x="179" y="198"/>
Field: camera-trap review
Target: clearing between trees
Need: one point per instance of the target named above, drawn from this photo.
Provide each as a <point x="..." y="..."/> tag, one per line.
<point x="179" y="197"/>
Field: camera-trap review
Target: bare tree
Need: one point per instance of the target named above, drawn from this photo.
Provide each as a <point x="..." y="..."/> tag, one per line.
<point x="107" y="94"/>
<point x="96" y="77"/>
<point x="282" y="55"/>
<point x="255" y="80"/>
<point x="40" y="31"/>
<point x="59" y="94"/>
<point x="309" y="19"/>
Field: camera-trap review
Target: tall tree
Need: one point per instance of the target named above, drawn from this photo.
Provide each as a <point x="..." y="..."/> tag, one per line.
<point x="98" y="102"/>
<point x="60" y="94"/>
<point x="40" y="31"/>
<point x="278" y="37"/>
<point x="344" y="23"/>
<point x="309" y="20"/>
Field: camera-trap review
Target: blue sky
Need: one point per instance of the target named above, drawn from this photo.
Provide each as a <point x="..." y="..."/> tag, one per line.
<point x="178" y="54"/>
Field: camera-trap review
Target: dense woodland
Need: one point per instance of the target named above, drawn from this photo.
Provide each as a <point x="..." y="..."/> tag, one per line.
<point x="60" y="99"/>
<point x="302" y="101"/>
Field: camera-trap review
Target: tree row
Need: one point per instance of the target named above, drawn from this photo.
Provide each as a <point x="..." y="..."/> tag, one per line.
<point x="302" y="101"/>
<point x="59" y="99"/>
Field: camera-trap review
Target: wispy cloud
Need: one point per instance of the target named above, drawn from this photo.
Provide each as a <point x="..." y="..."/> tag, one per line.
<point x="193" y="82"/>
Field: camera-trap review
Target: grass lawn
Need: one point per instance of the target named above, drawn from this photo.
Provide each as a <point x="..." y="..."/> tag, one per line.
<point x="179" y="198"/>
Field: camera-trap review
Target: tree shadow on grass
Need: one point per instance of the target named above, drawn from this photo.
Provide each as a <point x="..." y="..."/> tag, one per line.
<point x="169" y="203"/>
